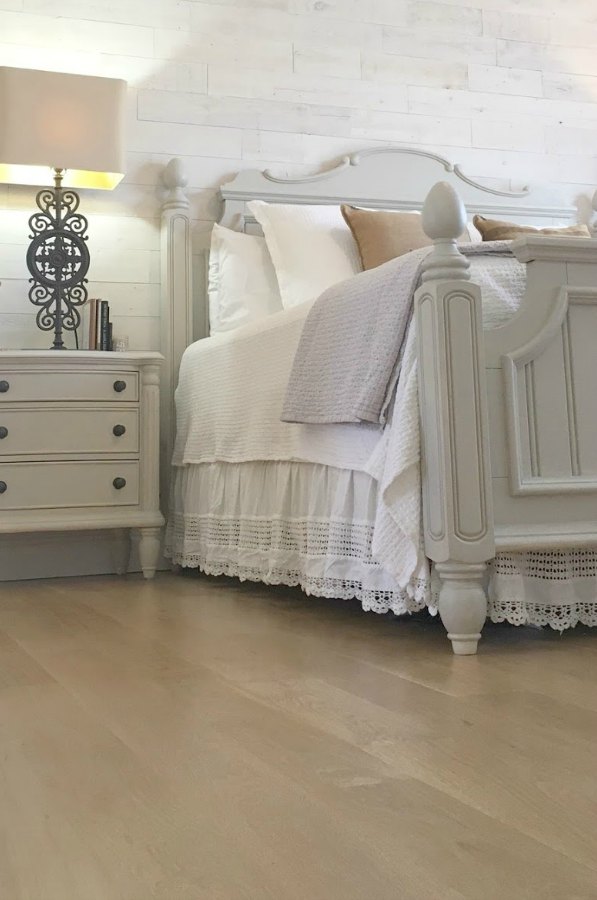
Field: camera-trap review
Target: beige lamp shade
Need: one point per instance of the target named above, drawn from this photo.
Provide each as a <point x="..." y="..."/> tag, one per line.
<point x="50" y="120"/>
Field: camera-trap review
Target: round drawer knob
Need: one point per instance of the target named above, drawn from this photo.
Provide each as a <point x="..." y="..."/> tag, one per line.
<point x="3" y="486"/>
<point x="118" y="430"/>
<point x="4" y="386"/>
<point x="119" y="386"/>
<point x="119" y="483"/>
<point x="3" y="432"/>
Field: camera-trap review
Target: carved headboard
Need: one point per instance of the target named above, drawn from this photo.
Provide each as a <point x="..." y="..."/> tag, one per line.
<point x="392" y="178"/>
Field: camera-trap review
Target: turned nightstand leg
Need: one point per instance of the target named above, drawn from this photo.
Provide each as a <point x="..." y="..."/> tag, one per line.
<point x="149" y="549"/>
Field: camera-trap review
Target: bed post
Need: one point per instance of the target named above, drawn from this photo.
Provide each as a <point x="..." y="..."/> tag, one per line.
<point x="176" y="306"/>
<point x="457" y="498"/>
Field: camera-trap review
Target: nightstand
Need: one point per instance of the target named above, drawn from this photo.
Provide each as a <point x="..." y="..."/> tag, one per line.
<point x="79" y="444"/>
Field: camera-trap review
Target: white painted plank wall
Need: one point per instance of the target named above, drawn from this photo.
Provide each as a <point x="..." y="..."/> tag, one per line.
<point x="508" y="88"/>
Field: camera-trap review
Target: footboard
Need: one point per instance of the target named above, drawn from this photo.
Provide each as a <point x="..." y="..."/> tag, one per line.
<point x="508" y="415"/>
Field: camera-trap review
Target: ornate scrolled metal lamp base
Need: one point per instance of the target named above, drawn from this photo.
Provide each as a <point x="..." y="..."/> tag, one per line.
<point x="58" y="260"/>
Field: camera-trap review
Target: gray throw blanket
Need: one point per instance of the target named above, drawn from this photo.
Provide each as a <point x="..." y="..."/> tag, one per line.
<point x="348" y="359"/>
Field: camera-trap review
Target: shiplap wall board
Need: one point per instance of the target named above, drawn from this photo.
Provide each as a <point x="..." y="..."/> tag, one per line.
<point x="508" y="88"/>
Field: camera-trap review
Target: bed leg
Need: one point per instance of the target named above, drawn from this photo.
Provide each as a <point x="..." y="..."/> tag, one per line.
<point x="462" y="604"/>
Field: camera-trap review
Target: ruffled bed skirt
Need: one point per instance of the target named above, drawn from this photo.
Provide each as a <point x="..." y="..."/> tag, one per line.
<point x="285" y="523"/>
<point x="544" y="587"/>
<point x="309" y="525"/>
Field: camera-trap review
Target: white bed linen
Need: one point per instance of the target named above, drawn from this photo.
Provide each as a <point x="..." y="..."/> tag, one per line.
<point x="311" y="248"/>
<point x="334" y="508"/>
<point x="283" y="522"/>
<point x="229" y="401"/>
<point x="269" y="501"/>
<point x="242" y="282"/>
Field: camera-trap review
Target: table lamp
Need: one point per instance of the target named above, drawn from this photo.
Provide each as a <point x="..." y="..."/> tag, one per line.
<point x="69" y="129"/>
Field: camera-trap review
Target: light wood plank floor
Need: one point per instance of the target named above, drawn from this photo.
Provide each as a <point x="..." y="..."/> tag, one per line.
<point x="198" y="739"/>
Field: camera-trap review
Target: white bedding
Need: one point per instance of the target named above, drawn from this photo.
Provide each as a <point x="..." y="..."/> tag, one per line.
<point x="229" y="399"/>
<point x="335" y="509"/>
<point x="260" y="499"/>
<point x="280" y="522"/>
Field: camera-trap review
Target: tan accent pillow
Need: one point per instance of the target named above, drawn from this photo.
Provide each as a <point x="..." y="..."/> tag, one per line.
<point x="495" y="230"/>
<point x="382" y="235"/>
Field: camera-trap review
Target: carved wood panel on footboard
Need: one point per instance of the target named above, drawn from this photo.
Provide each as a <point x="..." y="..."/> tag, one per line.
<point x="542" y="395"/>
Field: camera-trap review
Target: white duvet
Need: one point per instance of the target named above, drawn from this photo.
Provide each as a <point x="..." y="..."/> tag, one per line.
<point x="230" y="396"/>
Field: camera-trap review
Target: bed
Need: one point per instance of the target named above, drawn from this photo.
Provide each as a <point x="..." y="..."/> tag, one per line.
<point x="506" y="471"/>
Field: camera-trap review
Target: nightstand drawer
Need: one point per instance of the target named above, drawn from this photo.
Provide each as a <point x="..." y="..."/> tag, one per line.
<point x="43" y="386"/>
<point x="60" y="485"/>
<point x="72" y="430"/>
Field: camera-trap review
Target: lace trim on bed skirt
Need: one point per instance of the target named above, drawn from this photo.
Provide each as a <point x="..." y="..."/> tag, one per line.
<point x="520" y="612"/>
<point x="557" y="588"/>
<point x="380" y="602"/>
<point x="514" y="610"/>
<point x="311" y="526"/>
<point x="559" y="566"/>
<point x="216" y="545"/>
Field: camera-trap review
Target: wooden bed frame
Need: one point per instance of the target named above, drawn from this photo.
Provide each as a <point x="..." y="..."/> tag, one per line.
<point x="508" y="415"/>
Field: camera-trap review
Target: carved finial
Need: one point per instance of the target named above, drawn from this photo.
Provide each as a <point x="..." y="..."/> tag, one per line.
<point x="175" y="179"/>
<point x="444" y="221"/>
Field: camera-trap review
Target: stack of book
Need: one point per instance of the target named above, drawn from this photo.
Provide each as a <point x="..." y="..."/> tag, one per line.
<point x="100" y="326"/>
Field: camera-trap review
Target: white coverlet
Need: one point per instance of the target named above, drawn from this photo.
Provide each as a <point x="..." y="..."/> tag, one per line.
<point x="264" y="500"/>
<point x="229" y="401"/>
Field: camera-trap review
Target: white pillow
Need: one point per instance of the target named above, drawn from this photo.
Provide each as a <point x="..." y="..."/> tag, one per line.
<point x="311" y="248"/>
<point x="242" y="282"/>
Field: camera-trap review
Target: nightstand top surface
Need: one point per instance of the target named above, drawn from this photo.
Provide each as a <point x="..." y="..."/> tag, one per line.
<point x="89" y="356"/>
